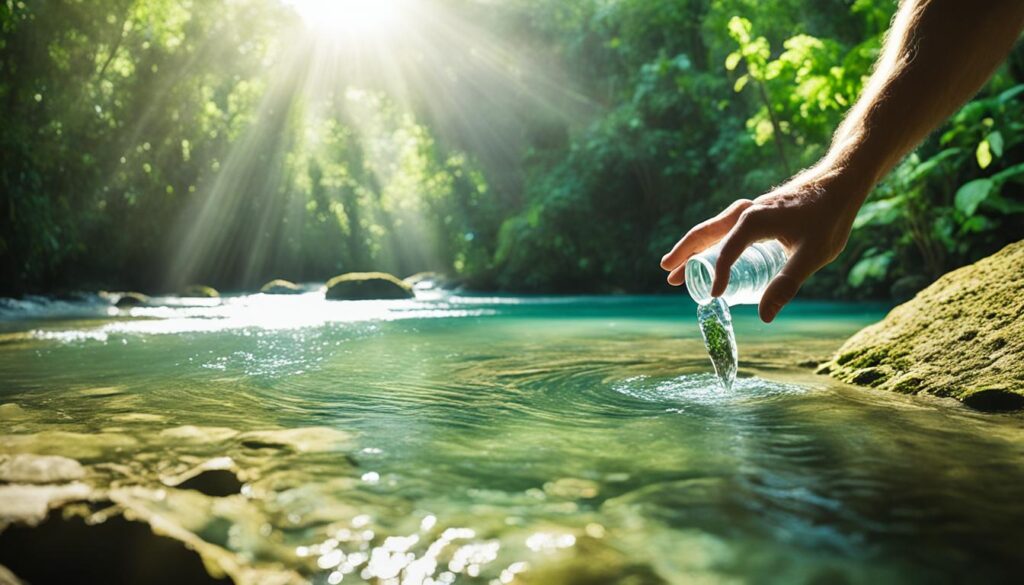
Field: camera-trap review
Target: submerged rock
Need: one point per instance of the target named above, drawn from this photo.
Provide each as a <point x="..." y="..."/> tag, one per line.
<point x="360" y="286"/>
<point x="29" y="504"/>
<point x="27" y="468"/>
<point x="279" y="286"/>
<point x="200" y="290"/>
<point x="82" y="446"/>
<point x="216" y="477"/>
<point x="11" y="411"/>
<point x="191" y="434"/>
<point x="300" y="440"/>
<point x="68" y="548"/>
<point x="131" y="299"/>
<point x="961" y="337"/>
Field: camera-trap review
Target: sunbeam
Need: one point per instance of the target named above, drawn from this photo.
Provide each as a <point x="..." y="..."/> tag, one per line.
<point x="357" y="18"/>
<point x="371" y="107"/>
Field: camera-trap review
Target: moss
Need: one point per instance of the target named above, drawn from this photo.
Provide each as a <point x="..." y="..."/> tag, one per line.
<point x="279" y="286"/>
<point x="962" y="337"/>
<point x="360" y="286"/>
<point x="908" y="385"/>
<point x="131" y="299"/>
<point x="868" y="377"/>
<point x="847" y="357"/>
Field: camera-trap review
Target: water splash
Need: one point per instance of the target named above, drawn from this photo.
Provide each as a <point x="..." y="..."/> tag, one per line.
<point x="715" y="323"/>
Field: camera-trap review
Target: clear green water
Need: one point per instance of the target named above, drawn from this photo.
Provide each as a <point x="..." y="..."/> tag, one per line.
<point x="476" y="440"/>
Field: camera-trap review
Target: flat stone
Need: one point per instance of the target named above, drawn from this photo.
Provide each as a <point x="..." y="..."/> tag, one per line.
<point x="216" y="477"/>
<point x="194" y="434"/>
<point x="29" y="504"/>
<point x="572" y="488"/>
<point x="11" y="411"/>
<point x="26" y="468"/>
<point x="73" y="445"/>
<point x="303" y="440"/>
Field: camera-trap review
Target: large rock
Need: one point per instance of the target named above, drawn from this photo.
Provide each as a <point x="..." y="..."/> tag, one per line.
<point x="963" y="337"/>
<point x="361" y="286"/>
<point x="200" y="290"/>
<point x="280" y="286"/>
<point x="131" y="299"/>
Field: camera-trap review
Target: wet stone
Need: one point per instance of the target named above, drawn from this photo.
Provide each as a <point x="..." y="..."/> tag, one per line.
<point x="26" y="468"/>
<point x="11" y="411"/>
<point x="217" y="483"/>
<point x="29" y="504"/>
<point x="194" y="434"/>
<point x="302" y="440"/>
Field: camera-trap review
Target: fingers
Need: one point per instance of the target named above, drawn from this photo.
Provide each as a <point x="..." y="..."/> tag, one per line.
<point x="702" y="236"/>
<point x="746" y="231"/>
<point x="785" y="285"/>
<point x="678" y="275"/>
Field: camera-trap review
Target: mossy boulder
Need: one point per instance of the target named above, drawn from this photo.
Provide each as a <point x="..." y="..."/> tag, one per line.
<point x="200" y="290"/>
<point x="361" y="286"/>
<point x="962" y="337"/>
<point x="280" y="286"/>
<point x="131" y="299"/>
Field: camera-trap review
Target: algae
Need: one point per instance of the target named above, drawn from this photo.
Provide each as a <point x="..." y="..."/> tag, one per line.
<point x="962" y="337"/>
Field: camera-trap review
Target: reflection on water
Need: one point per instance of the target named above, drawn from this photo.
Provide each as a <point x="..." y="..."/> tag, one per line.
<point x="514" y="440"/>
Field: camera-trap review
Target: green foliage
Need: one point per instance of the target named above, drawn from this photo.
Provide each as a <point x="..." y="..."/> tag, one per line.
<point x="956" y="199"/>
<point x="149" y="140"/>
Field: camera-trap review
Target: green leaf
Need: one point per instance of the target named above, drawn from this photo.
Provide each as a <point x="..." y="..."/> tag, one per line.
<point x="1009" y="173"/>
<point x="1011" y="93"/>
<point x="978" y="223"/>
<point x="881" y="212"/>
<point x="870" y="268"/>
<point x="970" y="196"/>
<point x="995" y="142"/>
<point x="925" y="168"/>
<point x="1004" y="205"/>
<point x="732" y="60"/>
<point x="740" y="83"/>
<point x="983" y="154"/>
<point x="739" y="29"/>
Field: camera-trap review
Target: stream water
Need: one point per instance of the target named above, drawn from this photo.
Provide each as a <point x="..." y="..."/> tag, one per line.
<point x="516" y="440"/>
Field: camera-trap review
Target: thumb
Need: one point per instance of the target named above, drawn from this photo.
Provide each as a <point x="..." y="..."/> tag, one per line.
<point x="785" y="285"/>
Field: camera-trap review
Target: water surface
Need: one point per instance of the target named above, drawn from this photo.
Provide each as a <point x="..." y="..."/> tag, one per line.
<point x="527" y="440"/>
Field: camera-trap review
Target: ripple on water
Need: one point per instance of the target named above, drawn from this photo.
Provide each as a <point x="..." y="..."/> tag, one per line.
<point x="702" y="389"/>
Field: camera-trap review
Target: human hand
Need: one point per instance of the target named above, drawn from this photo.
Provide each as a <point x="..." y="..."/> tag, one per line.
<point x="811" y="216"/>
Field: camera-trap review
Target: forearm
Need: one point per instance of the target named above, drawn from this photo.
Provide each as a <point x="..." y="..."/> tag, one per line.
<point x="937" y="55"/>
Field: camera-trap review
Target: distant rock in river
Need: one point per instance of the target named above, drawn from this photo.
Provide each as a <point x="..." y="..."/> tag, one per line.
<point x="131" y="299"/>
<point x="279" y="286"/>
<point x="963" y="337"/>
<point x="200" y="290"/>
<point x="359" y="286"/>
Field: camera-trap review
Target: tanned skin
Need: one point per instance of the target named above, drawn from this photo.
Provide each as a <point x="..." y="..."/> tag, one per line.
<point x="937" y="55"/>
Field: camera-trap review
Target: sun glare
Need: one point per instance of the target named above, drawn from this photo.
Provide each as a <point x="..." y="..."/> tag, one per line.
<point x="358" y="18"/>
